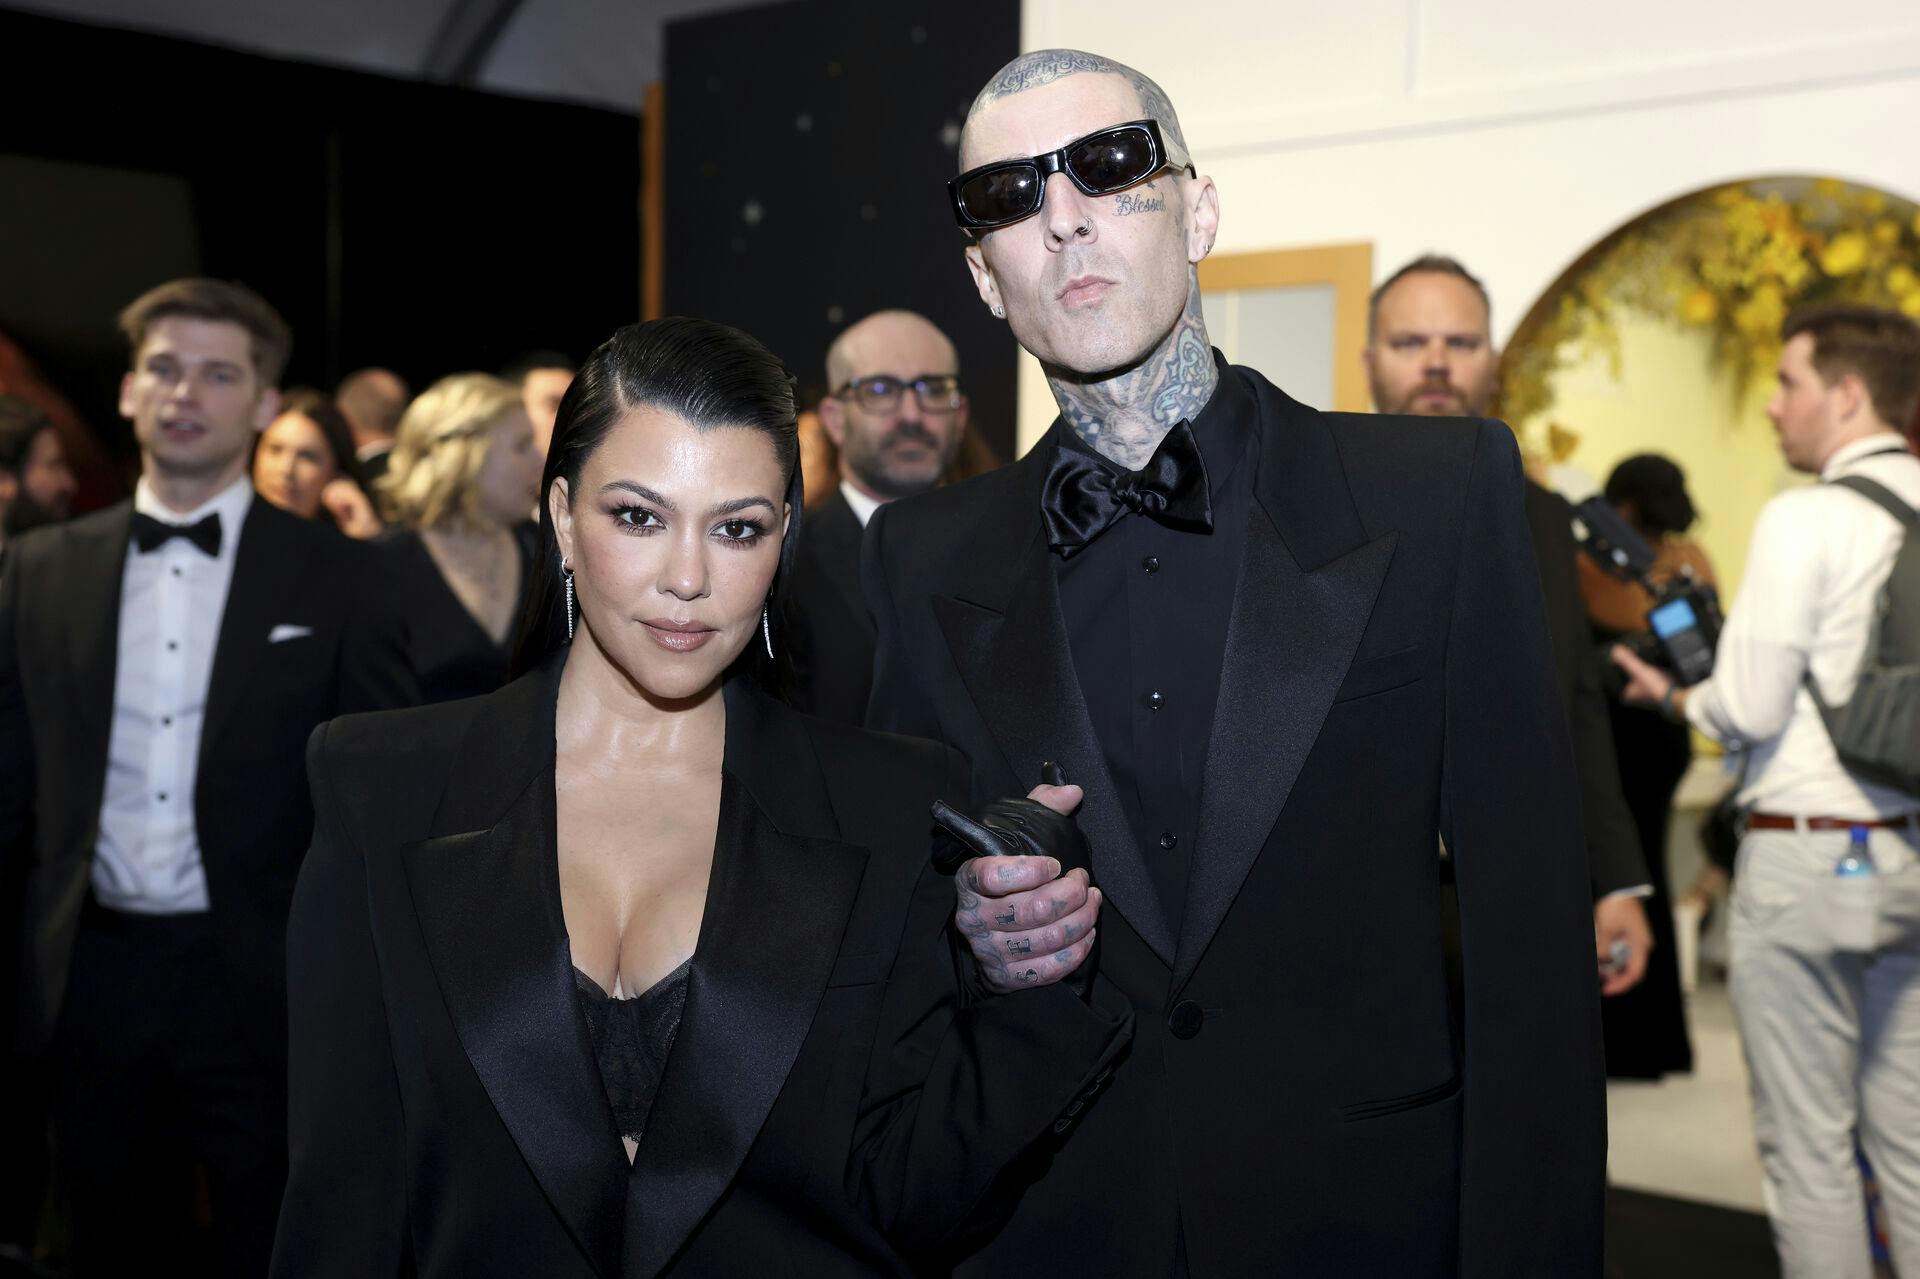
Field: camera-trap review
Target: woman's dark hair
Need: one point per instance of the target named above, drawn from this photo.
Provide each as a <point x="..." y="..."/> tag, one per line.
<point x="318" y="408"/>
<point x="1658" y="490"/>
<point x="21" y="422"/>
<point x="708" y="374"/>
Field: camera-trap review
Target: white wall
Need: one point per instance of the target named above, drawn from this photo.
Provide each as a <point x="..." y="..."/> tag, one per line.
<point x="1510" y="133"/>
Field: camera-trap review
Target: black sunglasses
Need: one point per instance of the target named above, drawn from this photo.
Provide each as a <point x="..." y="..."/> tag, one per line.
<point x="997" y="194"/>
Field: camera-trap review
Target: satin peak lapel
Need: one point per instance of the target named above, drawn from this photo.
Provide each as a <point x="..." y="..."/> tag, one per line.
<point x="1290" y="639"/>
<point x="267" y="572"/>
<point x="1018" y="669"/>
<point x="493" y="932"/>
<point x="776" y="910"/>
<point x="94" y="573"/>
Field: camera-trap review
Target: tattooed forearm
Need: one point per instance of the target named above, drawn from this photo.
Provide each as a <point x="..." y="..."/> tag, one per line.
<point x="1124" y="414"/>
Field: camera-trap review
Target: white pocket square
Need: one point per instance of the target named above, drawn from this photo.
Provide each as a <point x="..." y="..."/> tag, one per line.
<point x="288" y="631"/>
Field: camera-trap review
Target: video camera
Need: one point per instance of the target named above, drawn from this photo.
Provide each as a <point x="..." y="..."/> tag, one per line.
<point x="1683" y="626"/>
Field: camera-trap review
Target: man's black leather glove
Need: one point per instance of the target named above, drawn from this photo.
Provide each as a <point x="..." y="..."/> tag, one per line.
<point x="1008" y="828"/>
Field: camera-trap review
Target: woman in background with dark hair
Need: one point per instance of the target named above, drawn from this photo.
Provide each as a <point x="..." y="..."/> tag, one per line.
<point x="36" y="484"/>
<point x="304" y="463"/>
<point x="1646" y="1027"/>
<point x="587" y="975"/>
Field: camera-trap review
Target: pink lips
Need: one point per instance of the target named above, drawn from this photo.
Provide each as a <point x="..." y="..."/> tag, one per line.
<point x="679" y="637"/>
<point x="1083" y="290"/>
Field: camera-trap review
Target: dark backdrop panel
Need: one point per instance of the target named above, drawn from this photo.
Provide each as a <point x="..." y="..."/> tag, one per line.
<point x="427" y="228"/>
<point x="807" y="152"/>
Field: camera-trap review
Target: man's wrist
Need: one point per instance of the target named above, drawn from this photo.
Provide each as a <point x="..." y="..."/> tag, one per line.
<point x="1673" y="703"/>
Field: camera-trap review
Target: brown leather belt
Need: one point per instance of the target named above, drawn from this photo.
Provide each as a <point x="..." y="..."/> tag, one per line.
<point x="1779" y="821"/>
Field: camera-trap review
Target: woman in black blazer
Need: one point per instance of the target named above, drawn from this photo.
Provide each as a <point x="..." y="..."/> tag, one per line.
<point x="628" y="968"/>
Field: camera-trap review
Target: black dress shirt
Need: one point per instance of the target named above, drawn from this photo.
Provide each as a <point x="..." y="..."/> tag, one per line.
<point x="1146" y="609"/>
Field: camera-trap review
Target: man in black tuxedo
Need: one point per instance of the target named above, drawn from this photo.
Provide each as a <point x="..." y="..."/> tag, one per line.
<point x="1430" y="353"/>
<point x="372" y="401"/>
<point x="896" y="415"/>
<point x="1283" y="652"/>
<point x="161" y="665"/>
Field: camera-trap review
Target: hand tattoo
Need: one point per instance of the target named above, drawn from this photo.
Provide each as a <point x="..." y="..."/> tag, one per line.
<point x="1020" y="946"/>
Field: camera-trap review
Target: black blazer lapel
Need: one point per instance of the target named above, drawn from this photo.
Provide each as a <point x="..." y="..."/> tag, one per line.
<point x="96" y="565"/>
<point x="267" y="572"/>
<point x="488" y="902"/>
<point x="838" y="532"/>
<point x="777" y="907"/>
<point x="1309" y="577"/>
<point x="1010" y="646"/>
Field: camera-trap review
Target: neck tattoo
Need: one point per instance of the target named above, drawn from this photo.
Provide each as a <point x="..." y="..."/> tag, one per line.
<point x="1124" y="415"/>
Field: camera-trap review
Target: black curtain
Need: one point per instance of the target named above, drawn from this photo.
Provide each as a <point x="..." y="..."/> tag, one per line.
<point x="808" y="147"/>
<point x="425" y="228"/>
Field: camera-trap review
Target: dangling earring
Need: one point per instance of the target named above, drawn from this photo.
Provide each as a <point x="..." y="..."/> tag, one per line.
<point x="566" y="575"/>
<point x="766" y="631"/>
<point x="999" y="312"/>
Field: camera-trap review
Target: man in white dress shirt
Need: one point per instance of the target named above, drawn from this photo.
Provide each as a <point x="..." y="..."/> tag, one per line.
<point x="896" y="414"/>
<point x="1831" y="1028"/>
<point x="161" y="665"/>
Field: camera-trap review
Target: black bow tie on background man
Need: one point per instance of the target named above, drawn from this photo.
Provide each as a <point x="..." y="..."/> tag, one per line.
<point x="1082" y="498"/>
<point x="150" y="534"/>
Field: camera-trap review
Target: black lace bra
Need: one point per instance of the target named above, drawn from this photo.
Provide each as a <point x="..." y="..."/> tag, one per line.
<point x="631" y="1039"/>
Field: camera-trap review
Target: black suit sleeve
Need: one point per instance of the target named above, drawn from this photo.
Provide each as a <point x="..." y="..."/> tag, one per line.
<point x="16" y="744"/>
<point x="1614" y="856"/>
<point x="1534" y="1127"/>
<point x="897" y="704"/>
<point x="376" y="673"/>
<point x="345" y="1209"/>
<point x="965" y="1098"/>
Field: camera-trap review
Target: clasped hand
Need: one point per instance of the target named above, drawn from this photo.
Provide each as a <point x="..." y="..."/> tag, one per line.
<point x="1026" y="922"/>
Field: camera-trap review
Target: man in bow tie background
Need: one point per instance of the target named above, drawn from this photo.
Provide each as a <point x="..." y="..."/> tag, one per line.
<point x="1281" y="652"/>
<point x="161" y="665"/>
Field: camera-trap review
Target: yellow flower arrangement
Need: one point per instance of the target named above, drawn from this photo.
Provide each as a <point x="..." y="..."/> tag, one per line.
<point x="1730" y="261"/>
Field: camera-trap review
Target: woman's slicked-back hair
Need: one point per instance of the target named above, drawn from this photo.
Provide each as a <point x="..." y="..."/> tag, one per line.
<point x="707" y="374"/>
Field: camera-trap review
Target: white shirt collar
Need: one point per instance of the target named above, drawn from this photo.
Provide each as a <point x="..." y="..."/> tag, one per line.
<point x="863" y="506"/>
<point x="230" y="503"/>
<point x="1848" y="454"/>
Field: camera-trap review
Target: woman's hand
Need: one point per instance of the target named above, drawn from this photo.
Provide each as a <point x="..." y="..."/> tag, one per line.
<point x="1647" y="685"/>
<point x="350" y="508"/>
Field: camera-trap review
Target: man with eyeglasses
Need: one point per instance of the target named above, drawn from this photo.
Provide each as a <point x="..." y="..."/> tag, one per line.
<point x="896" y="414"/>
<point x="1279" y="652"/>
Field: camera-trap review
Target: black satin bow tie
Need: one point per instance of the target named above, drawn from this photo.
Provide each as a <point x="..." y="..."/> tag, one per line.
<point x="150" y="534"/>
<point x="1082" y="498"/>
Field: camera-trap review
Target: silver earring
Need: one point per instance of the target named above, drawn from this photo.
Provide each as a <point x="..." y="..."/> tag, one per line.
<point x="566" y="575"/>
<point x="766" y="631"/>
<point x="999" y="312"/>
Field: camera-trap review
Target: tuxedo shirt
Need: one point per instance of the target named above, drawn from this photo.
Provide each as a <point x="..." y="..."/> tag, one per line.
<point x="862" y="506"/>
<point x="1146" y="606"/>
<point x="171" y="599"/>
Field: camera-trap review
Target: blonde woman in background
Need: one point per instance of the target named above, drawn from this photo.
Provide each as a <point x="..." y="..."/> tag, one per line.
<point x="462" y="476"/>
